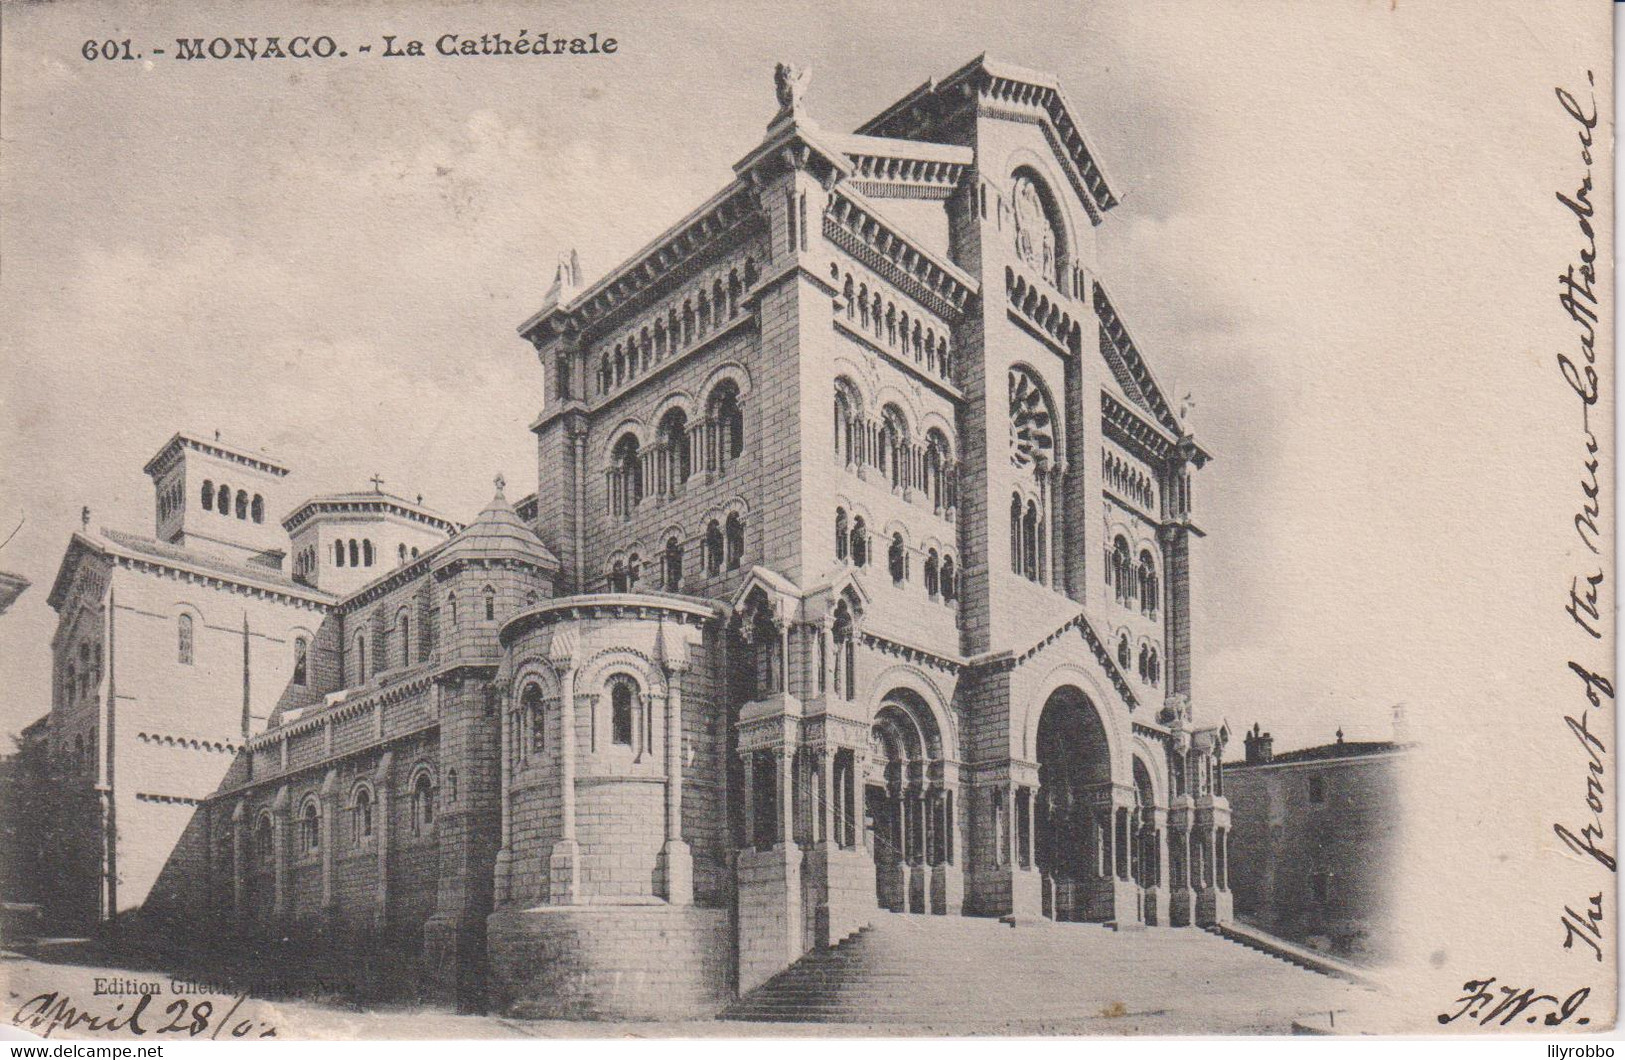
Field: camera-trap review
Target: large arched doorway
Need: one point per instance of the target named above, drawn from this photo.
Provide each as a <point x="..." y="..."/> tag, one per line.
<point x="902" y="800"/>
<point x="1075" y="846"/>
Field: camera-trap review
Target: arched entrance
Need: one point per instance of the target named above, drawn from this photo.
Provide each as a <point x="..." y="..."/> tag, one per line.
<point x="1076" y="845"/>
<point x="903" y="802"/>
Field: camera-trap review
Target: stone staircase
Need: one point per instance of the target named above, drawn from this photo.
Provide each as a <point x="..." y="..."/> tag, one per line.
<point x="967" y="975"/>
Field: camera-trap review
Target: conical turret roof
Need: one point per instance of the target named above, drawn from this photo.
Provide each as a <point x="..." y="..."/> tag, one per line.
<point x="499" y="532"/>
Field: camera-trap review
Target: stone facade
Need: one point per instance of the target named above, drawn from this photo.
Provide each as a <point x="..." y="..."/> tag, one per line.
<point x="857" y="577"/>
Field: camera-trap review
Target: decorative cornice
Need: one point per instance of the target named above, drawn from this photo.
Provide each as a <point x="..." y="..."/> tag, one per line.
<point x="667" y="254"/>
<point x="1042" y="308"/>
<point x="383" y="504"/>
<point x="1116" y="333"/>
<point x="886" y="168"/>
<point x="1128" y="426"/>
<point x="1080" y="622"/>
<point x="171" y="450"/>
<point x="683" y="610"/>
<point x="857" y="227"/>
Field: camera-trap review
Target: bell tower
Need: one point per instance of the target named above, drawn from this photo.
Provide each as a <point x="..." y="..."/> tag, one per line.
<point x="212" y="496"/>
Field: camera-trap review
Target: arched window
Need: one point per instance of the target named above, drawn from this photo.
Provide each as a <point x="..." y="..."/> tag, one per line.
<point x="361" y="816"/>
<point x="403" y="625"/>
<point x="936" y="459"/>
<point x="623" y="707"/>
<point x="620" y="364"/>
<point x="310" y="828"/>
<point x="366" y="552"/>
<point x="264" y="844"/>
<point x="897" y="559"/>
<point x="860" y="542"/>
<point x="183" y="640"/>
<point x="950" y="588"/>
<point x="734" y="543"/>
<point x="634" y="570"/>
<point x="1147" y="577"/>
<point x="725" y="412"/>
<point x="222" y="499"/>
<point x="841" y="542"/>
<point x="1123" y="656"/>
<point x="490" y="597"/>
<point x="301" y="661"/>
<point x="713" y="548"/>
<point x="257" y="508"/>
<point x="1122" y="572"/>
<point x="355" y="553"/>
<point x="400" y="552"/>
<point x="733" y="293"/>
<point x="894" y="445"/>
<point x="617" y="576"/>
<point x="451" y="787"/>
<point x="674" y="438"/>
<point x="242" y="504"/>
<point x="422" y="804"/>
<point x="931" y="584"/>
<point x="207" y="495"/>
<point x="531" y="702"/>
<point x="451" y="609"/>
<point x="338" y="553"/>
<point x="360" y="658"/>
<point x="1145" y="663"/>
<point x="672" y="576"/>
<point x="628" y="472"/>
<point x="845" y="635"/>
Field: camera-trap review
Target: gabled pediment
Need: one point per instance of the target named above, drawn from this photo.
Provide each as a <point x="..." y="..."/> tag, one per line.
<point x="1002" y="89"/>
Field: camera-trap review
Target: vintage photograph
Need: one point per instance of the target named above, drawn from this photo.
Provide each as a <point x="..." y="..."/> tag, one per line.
<point x="858" y="519"/>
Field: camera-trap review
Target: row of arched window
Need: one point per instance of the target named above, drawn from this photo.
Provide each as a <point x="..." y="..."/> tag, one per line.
<point x="171" y="499"/>
<point x="1128" y="481"/>
<point x="376" y="648"/>
<point x="721" y="547"/>
<point x="629" y="722"/>
<point x="1029" y="542"/>
<point x="872" y="312"/>
<point x="701" y="312"/>
<point x="1135" y="584"/>
<point x="837" y="669"/>
<point x="852" y="545"/>
<point x="84" y="753"/>
<point x="362" y="804"/>
<point x="886" y="444"/>
<point x="1150" y="661"/>
<point x="360" y="553"/>
<point x="219" y="499"/>
<point x="679" y="449"/>
<point x="304" y="561"/>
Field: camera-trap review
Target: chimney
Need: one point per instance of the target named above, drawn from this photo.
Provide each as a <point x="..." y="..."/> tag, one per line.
<point x="1259" y="746"/>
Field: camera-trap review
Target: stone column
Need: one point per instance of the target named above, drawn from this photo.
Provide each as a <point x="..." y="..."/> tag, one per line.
<point x="330" y="832"/>
<point x="383" y="836"/>
<point x="239" y="869"/>
<point x="279" y="846"/>
<point x="564" y="862"/>
<point x="677" y="860"/>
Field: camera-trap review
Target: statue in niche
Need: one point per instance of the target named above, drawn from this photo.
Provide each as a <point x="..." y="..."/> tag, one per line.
<point x="1035" y="236"/>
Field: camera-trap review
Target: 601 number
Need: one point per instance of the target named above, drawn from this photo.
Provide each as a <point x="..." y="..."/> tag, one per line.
<point x="107" y="49"/>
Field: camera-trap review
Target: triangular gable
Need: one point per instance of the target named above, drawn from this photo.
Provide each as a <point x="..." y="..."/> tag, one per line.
<point x="1012" y="86"/>
<point x="79" y="546"/>
<point x="1129" y="367"/>
<point x="776" y="585"/>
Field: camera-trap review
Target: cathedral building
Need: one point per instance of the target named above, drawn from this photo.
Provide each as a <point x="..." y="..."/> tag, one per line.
<point x="857" y="578"/>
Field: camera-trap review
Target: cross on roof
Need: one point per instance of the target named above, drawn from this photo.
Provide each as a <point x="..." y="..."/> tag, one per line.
<point x="377" y="484"/>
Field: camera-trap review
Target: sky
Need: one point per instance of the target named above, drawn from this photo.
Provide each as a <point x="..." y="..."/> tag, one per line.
<point x="1319" y="237"/>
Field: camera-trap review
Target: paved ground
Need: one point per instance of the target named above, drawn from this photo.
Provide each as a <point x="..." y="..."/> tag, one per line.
<point x="1159" y="983"/>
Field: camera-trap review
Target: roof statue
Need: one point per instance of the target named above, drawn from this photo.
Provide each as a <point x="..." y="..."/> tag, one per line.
<point x="790" y="84"/>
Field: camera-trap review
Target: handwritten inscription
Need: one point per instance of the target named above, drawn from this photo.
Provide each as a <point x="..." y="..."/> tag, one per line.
<point x="1484" y="1003"/>
<point x="1583" y="831"/>
<point x="44" y="1014"/>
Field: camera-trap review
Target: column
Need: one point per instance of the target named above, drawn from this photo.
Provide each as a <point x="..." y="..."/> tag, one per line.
<point x="329" y="834"/>
<point x="564" y="862"/>
<point x="384" y="837"/>
<point x="748" y="759"/>
<point x="676" y="857"/>
<point x="784" y="758"/>
<point x="239" y="880"/>
<point x="279" y="848"/>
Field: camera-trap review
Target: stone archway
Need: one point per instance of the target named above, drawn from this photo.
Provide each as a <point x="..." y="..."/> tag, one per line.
<point x="903" y="801"/>
<point x="1077" y="843"/>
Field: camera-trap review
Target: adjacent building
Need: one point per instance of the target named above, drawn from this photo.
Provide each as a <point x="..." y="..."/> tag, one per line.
<point x="1315" y="840"/>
